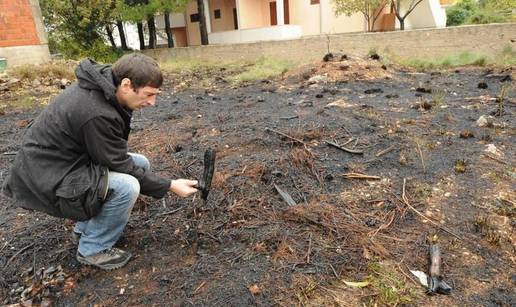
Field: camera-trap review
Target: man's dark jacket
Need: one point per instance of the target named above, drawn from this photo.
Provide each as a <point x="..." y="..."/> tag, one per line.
<point x="63" y="165"/>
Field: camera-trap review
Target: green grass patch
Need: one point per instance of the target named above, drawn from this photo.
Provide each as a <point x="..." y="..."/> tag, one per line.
<point x="262" y="69"/>
<point x="390" y="286"/>
<point x="54" y="70"/>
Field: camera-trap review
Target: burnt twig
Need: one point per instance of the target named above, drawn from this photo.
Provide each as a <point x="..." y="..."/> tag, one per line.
<point x="352" y="151"/>
<point x="286" y="135"/>
<point x="361" y="176"/>
<point x="383" y="152"/>
<point x="286" y="197"/>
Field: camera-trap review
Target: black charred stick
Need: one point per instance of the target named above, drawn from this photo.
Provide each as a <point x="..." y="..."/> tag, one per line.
<point x="207" y="176"/>
<point x="436" y="284"/>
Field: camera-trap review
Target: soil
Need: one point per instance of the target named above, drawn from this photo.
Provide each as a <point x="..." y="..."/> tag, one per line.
<point x="247" y="246"/>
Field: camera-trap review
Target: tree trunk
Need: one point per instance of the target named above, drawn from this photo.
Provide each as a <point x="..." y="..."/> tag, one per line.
<point x="402" y="23"/>
<point x="109" y="32"/>
<point x="170" y="39"/>
<point x="202" y="22"/>
<point x="152" y="32"/>
<point x="121" y="33"/>
<point x="140" y="35"/>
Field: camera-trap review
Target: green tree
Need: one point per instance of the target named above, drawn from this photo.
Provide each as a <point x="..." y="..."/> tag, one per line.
<point x="397" y="5"/>
<point x="76" y="27"/>
<point x="370" y="9"/>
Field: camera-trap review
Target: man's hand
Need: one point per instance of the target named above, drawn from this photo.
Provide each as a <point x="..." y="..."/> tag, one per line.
<point x="183" y="187"/>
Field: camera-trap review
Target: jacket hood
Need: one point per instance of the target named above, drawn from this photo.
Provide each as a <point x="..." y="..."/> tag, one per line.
<point x="93" y="76"/>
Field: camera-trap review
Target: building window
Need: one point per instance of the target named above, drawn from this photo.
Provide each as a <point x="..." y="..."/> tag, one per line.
<point x="194" y="18"/>
<point x="312" y="2"/>
<point x="216" y="13"/>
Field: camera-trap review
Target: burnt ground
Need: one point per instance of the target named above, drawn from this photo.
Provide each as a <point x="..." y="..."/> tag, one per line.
<point x="247" y="246"/>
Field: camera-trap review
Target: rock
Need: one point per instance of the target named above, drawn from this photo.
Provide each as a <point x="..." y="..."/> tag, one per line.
<point x="318" y="79"/>
<point x="374" y="56"/>
<point x="36" y="82"/>
<point x="485" y="121"/>
<point x="482" y="85"/>
<point x="390" y="96"/>
<point x="344" y="67"/>
<point x="466" y="134"/>
<point x="64" y="82"/>
<point x="373" y="91"/>
<point x="341" y="103"/>
<point x="423" y="90"/>
<point x="384" y="67"/>
<point x="327" y="57"/>
<point x="422" y="105"/>
<point x="260" y="99"/>
<point x="319" y="95"/>
<point x="491" y="148"/>
<point x="343" y="57"/>
<point x="507" y="78"/>
<point x="254" y="289"/>
<point x="304" y="103"/>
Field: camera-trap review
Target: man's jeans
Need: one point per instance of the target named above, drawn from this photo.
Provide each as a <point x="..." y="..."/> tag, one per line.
<point x="102" y="231"/>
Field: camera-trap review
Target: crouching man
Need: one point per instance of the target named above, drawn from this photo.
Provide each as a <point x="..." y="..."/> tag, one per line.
<point x="74" y="161"/>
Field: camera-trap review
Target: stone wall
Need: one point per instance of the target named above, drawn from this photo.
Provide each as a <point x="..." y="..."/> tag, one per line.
<point x="423" y="43"/>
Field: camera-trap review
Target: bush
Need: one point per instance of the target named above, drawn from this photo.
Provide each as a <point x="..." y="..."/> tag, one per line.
<point x="98" y="51"/>
<point x="483" y="12"/>
<point x="456" y="16"/>
<point x="484" y="17"/>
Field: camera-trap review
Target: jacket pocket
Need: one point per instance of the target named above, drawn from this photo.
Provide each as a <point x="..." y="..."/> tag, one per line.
<point x="71" y="200"/>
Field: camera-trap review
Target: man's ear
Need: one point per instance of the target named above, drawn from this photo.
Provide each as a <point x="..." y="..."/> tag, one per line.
<point x="126" y="84"/>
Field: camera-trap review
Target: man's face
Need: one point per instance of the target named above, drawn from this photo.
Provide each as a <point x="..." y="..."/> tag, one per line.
<point x="136" y="99"/>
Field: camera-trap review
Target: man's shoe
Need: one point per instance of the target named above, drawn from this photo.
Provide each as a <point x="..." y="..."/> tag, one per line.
<point x="109" y="259"/>
<point x="75" y="237"/>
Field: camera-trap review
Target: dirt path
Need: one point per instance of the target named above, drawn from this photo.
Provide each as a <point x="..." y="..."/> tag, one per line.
<point x="247" y="246"/>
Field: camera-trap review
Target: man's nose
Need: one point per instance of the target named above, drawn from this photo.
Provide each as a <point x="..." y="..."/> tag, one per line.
<point x="152" y="101"/>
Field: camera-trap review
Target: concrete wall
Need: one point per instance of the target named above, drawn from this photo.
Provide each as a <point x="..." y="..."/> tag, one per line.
<point x="485" y="39"/>
<point x="306" y="15"/>
<point x="256" y="34"/>
<point x="226" y="21"/>
<point x="22" y="37"/>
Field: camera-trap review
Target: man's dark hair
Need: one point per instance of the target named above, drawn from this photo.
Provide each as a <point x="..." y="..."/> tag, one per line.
<point x="140" y="69"/>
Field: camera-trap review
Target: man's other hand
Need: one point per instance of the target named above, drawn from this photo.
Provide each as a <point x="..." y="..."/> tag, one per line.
<point x="183" y="187"/>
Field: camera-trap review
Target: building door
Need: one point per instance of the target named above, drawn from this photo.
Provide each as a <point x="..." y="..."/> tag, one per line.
<point x="235" y="18"/>
<point x="272" y="7"/>
<point x="286" y="15"/>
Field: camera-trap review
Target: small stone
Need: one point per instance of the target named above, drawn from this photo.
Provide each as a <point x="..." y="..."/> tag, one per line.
<point x="319" y="95"/>
<point x="374" y="56"/>
<point x="327" y="57"/>
<point x="373" y="91"/>
<point x="343" y="57"/>
<point x="507" y="78"/>
<point x="254" y="289"/>
<point x="466" y="134"/>
<point x="491" y="148"/>
<point x="423" y="90"/>
<point x="485" y="121"/>
<point x="318" y="79"/>
<point x="482" y="85"/>
<point x="390" y="96"/>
